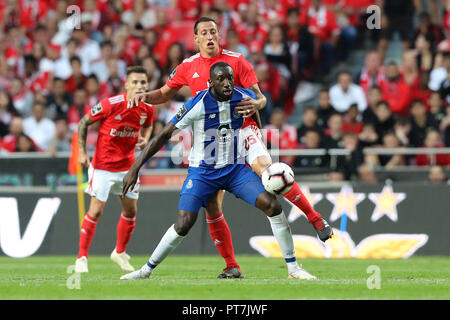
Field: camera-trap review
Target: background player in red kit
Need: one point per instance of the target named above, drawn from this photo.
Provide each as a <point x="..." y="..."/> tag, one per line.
<point x="194" y="72"/>
<point x="121" y="130"/>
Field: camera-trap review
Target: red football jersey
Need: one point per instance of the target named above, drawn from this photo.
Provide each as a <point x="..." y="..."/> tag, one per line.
<point x="118" y="133"/>
<point x="194" y="72"/>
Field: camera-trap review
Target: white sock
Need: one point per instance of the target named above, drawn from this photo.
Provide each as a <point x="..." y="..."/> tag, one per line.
<point x="168" y="243"/>
<point x="282" y="232"/>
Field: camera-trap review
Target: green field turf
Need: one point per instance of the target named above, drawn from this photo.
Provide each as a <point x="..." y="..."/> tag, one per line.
<point x="194" y="277"/>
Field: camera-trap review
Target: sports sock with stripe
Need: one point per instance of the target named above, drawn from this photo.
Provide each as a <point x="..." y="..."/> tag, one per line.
<point x="125" y="229"/>
<point x="296" y="196"/>
<point x="86" y="235"/>
<point x="221" y="236"/>
<point x="166" y="245"/>
<point x="282" y="232"/>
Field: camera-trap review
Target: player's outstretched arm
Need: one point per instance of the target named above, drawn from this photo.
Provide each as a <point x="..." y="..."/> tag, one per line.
<point x="83" y="125"/>
<point x="154" y="97"/>
<point x="130" y="179"/>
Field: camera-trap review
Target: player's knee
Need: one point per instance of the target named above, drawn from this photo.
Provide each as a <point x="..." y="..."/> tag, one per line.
<point x="274" y="208"/>
<point x="268" y="204"/>
<point x="184" y="222"/>
<point x="130" y="212"/>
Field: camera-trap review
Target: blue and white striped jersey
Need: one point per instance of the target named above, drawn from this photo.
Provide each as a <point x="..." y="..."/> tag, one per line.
<point x="215" y="126"/>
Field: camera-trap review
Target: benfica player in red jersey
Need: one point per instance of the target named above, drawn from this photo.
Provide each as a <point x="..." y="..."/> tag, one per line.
<point x="194" y="72"/>
<point x="121" y="130"/>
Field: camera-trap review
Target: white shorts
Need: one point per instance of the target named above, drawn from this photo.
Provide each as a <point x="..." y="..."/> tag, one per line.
<point x="102" y="182"/>
<point x="251" y="144"/>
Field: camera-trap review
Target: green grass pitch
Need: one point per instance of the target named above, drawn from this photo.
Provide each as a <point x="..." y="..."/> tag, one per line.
<point x="194" y="277"/>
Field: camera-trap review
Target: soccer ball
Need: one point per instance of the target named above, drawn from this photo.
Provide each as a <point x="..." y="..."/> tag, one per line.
<point x="278" y="178"/>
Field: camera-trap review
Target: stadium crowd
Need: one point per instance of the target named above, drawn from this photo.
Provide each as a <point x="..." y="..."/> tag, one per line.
<point x="53" y="68"/>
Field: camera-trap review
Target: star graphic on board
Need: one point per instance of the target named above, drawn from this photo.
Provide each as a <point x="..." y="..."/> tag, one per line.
<point x="386" y="203"/>
<point x="345" y="202"/>
<point x="313" y="198"/>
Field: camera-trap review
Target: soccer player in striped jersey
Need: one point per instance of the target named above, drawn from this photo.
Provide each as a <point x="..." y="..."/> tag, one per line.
<point x="194" y="72"/>
<point x="214" y="164"/>
<point x="121" y="130"/>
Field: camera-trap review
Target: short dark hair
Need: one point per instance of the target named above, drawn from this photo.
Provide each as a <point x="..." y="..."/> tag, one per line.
<point x="136" y="69"/>
<point x="203" y="19"/>
<point x="217" y="65"/>
<point x="75" y="58"/>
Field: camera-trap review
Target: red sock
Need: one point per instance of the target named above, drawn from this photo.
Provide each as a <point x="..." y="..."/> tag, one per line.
<point x="221" y="236"/>
<point x="296" y="196"/>
<point x="125" y="228"/>
<point x="86" y="234"/>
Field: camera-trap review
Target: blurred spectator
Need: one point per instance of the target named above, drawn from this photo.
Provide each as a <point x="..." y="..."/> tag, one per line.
<point x="373" y="97"/>
<point x="325" y="109"/>
<point x="436" y="174"/>
<point x="397" y="16"/>
<point x="436" y="112"/>
<point x="250" y="28"/>
<point x="7" y="112"/>
<point x="95" y="91"/>
<point x="420" y="122"/>
<point x="368" y="136"/>
<point x="141" y="13"/>
<point x="100" y="67"/>
<point x="395" y="90"/>
<point x="373" y="71"/>
<point x="385" y="120"/>
<point x="269" y="79"/>
<point x="25" y="144"/>
<point x="334" y="132"/>
<point x="22" y="98"/>
<point x="88" y="50"/>
<point x="309" y="121"/>
<point x="61" y="142"/>
<point x="281" y="135"/>
<point x="322" y="24"/>
<point x="165" y="35"/>
<point x="175" y="55"/>
<point x="277" y="52"/>
<point x="390" y="141"/>
<point x="58" y="101"/>
<point x="428" y="29"/>
<point x="273" y="12"/>
<point x="425" y="52"/>
<point x="441" y="73"/>
<point x="114" y="83"/>
<point x="345" y="93"/>
<point x="348" y="18"/>
<point x="38" y="127"/>
<point x="417" y="80"/>
<point x="153" y="72"/>
<point x="312" y="141"/>
<point x="402" y="129"/>
<point x="367" y="173"/>
<point x="78" y="109"/>
<point x="432" y="140"/>
<point x="335" y="176"/>
<point x="77" y="78"/>
<point x="445" y="126"/>
<point x="8" y="143"/>
<point x="233" y="44"/>
<point x="55" y="63"/>
<point x="349" y="164"/>
<point x="352" y="120"/>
